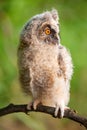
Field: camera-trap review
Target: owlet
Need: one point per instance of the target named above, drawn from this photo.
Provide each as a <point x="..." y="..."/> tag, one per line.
<point x="45" y="66"/>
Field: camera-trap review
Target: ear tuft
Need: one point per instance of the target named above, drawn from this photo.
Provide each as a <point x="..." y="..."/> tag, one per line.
<point x="55" y="14"/>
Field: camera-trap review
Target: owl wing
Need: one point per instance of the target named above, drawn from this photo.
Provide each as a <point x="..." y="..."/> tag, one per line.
<point x="65" y="63"/>
<point x="24" y="70"/>
<point x="25" y="80"/>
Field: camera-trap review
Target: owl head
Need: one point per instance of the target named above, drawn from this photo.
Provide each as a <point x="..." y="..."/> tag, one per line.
<point x="41" y="29"/>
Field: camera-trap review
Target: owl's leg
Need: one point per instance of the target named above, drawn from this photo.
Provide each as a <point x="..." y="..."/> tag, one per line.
<point x="33" y="104"/>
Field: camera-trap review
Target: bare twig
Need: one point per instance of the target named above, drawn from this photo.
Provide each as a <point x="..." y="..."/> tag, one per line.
<point x="70" y="114"/>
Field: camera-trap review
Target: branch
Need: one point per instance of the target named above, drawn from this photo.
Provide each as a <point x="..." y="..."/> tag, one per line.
<point x="70" y="114"/>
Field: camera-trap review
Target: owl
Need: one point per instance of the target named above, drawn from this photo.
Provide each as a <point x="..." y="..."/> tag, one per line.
<point x="45" y="66"/>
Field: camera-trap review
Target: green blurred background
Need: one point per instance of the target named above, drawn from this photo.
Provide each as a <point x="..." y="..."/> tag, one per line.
<point x="73" y="26"/>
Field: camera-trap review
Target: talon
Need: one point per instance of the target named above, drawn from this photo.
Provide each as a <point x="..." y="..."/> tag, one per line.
<point x="33" y="105"/>
<point x="56" y="112"/>
<point x="59" y="111"/>
<point x="30" y="106"/>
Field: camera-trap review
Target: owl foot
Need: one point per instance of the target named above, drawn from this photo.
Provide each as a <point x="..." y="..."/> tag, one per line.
<point x="33" y="104"/>
<point x="30" y="105"/>
<point x="59" y="111"/>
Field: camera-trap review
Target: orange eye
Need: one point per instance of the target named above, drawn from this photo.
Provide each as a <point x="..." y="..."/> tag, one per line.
<point x="47" y="31"/>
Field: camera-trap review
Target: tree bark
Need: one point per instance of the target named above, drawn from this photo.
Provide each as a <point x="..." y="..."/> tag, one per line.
<point x="70" y="114"/>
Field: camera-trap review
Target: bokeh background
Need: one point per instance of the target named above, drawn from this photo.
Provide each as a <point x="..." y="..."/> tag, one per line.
<point x="73" y="26"/>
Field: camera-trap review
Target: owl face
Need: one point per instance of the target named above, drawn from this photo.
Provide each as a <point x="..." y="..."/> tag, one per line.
<point x="43" y="28"/>
<point x="47" y="33"/>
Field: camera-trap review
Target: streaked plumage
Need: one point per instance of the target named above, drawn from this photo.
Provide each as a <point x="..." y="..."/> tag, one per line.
<point x="45" y="66"/>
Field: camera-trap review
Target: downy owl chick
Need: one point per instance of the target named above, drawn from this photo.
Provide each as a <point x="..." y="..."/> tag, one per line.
<point x="45" y="66"/>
